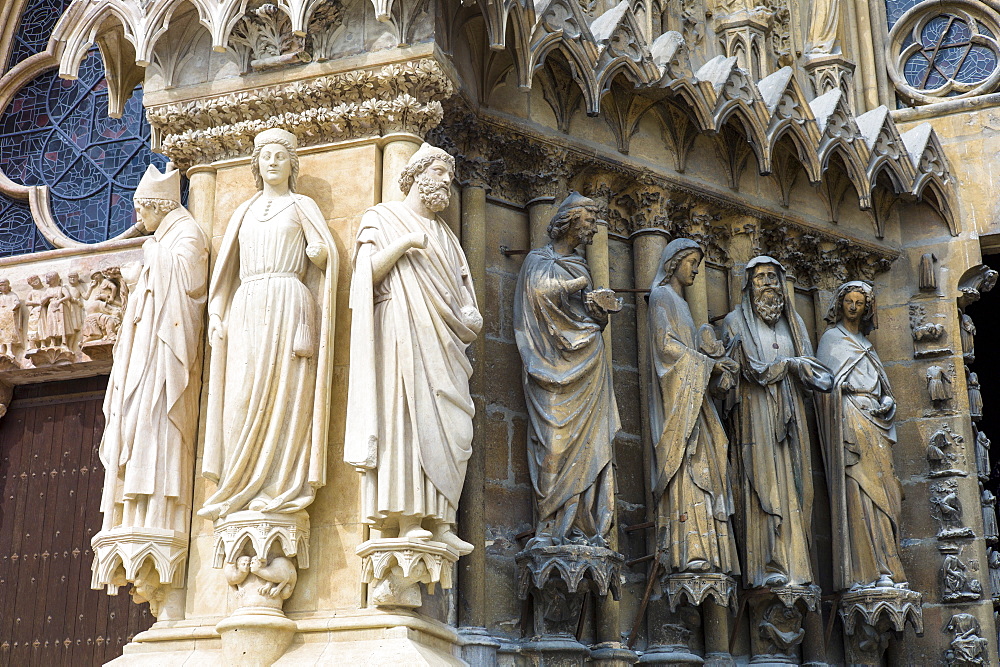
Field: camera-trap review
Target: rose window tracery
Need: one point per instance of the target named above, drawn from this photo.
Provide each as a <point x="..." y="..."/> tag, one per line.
<point x="941" y="50"/>
<point x="57" y="133"/>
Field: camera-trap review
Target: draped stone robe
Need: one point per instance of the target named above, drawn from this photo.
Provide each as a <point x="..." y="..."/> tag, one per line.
<point x="569" y="392"/>
<point x="770" y="435"/>
<point x="270" y="378"/>
<point x="690" y="453"/>
<point x="409" y="424"/>
<point x="864" y="489"/>
<point x="151" y="407"/>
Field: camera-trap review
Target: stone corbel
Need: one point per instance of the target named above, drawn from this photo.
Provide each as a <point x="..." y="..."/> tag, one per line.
<point x="151" y="559"/>
<point x="260" y="554"/>
<point x="394" y="568"/>
<point x="830" y="71"/>
<point x="870" y="614"/>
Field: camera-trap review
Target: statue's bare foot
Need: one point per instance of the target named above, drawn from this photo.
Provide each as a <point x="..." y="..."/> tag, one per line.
<point x="698" y="565"/>
<point x="449" y="538"/>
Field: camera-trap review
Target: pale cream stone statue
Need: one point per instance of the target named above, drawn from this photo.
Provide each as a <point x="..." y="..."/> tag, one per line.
<point x="857" y="424"/>
<point x="690" y="465"/>
<point x="414" y="313"/>
<point x="559" y="321"/>
<point x="59" y="327"/>
<point x="35" y="301"/>
<point x="824" y="22"/>
<point x="151" y="407"/>
<point x="104" y="303"/>
<point x="770" y="432"/>
<point x="10" y="320"/>
<point x="271" y="316"/>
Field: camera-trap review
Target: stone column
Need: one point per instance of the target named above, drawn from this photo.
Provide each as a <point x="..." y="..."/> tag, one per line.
<point x="540" y="211"/>
<point x="697" y="296"/>
<point x="397" y="149"/>
<point x="600" y="272"/>
<point x="201" y="196"/>
<point x="478" y="646"/>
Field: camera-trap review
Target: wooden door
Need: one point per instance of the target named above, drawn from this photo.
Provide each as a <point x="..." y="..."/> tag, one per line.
<point x="50" y="490"/>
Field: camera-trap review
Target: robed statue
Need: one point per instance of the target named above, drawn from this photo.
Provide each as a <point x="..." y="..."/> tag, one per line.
<point x="151" y="405"/>
<point x="271" y="315"/>
<point x="690" y="464"/>
<point x="770" y="431"/>
<point x="573" y="417"/>
<point x="858" y="432"/>
<point x="413" y="314"/>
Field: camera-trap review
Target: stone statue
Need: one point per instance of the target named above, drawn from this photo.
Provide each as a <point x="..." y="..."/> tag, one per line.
<point x="968" y="334"/>
<point x="975" y="397"/>
<point x="37" y="324"/>
<point x="993" y="558"/>
<point x="991" y="531"/>
<point x="690" y="449"/>
<point x="573" y="416"/>
<point x="151" y="407"/>
<point x="769" y="427"/>
<point x="59" y="328"/>
<point x="824" y="22"/>
<point x="956" y="583"/>
<point x="73" y="307"/>
<point x="967" y="647"/>
<point x="104" y="303"/>
<point x="271" y="314"/>
<point x="857" y="424"/>
<point x="927" y="272"/>
<point x="10" y="320"/>
<point x="982" y="454"/>
<point x="414" y="313"/>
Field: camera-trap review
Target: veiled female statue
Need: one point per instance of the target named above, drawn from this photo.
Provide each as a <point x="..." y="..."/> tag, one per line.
<point x="690" y="450"/>
<point x="856" y="420"/>
<point x="271" y="313"/>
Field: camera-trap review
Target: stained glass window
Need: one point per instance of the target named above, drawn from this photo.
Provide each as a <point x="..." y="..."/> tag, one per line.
<point x="37" y="22"/>
<point x="57" y="133"/>
<point x="896" y="8"/>
<point x="947" y="53"/>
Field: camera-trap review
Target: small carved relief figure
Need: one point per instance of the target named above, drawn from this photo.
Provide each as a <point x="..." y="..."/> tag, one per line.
<point x="975" y="398"/>
<point x="858" y="432"/>
<point x="920" y="328"/>
<point x="967" y="647"/>
<point x="260" y="583"/>
<point x="982" y="455"/>
<point x="151" y="406"/>
<point x="105" y="301"/>
<point x="37" y="324"/>
<point x="956" y="584"/>
<point x="690" y="447"/>
<point x="990" y="529"/>
<point x="58" y="330"/>
<point x="271" y="314"/>
<point x="10" y="320"/>
<point x="941" y="454"/>
<point x="414" y="313"/>
<point x="947" y="508"/>
<point x="568" y="385"/>
<point x="73" y="308"/>
<point x="939" y="387"/>
<point x="968" y="332"/>
<point x="927" y="274"/>
<point x="993" y="558"/>
<point x="769" y="430"/>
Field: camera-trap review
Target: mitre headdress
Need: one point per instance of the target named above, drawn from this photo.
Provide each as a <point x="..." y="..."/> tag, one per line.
<point x="155" y="185"/>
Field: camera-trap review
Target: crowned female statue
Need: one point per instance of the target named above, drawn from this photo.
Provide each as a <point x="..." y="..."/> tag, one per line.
<point x="271" y="313"/>
<point x="856" y="421"/>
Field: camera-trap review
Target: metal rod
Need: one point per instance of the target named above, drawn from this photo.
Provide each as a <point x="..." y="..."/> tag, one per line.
<point x="636" y="561"/>
<point x="641" y="611"/>
<point x="639" y="526"/>
<point x="507" y="252"/>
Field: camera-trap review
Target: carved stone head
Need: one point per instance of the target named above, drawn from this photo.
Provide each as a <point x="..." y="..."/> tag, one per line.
<point x="574" y="208"/>
<point x="868" y="320"/>
<point x="282" y="160"/>
<point x="432" y="171"/>
<point x="765" y="280"/>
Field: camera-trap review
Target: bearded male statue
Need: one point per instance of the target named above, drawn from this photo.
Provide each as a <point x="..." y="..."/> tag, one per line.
<point x="770" y="433"/>
<point x="414" y="313"/>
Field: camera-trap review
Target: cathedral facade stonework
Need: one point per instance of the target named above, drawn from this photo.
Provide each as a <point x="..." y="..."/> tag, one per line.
<point x="516" y="333"/>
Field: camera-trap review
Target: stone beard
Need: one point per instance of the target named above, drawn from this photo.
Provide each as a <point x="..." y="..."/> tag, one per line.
<point x="414" y="313"/>
<point x="768" y="303"/>
<point x="770" y="433"/>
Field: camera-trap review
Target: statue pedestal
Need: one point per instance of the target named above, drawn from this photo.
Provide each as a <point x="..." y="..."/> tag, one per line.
<point x="49" y="356"/>
<point x="558" y="579"/>
<point x="255" y="550"/>
<point x="870" y="614"/>
<point x="152" y="559"/>
<point x="694" y="588"/>
<point x="394" y="568"/>
<point x="777" y="622"/>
